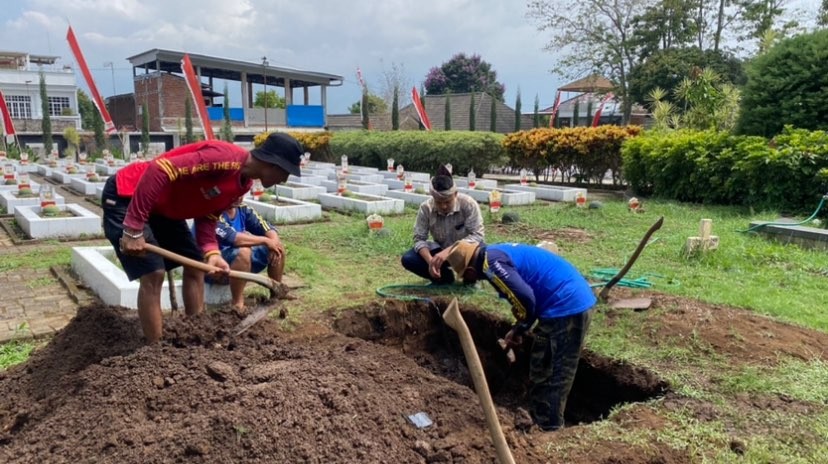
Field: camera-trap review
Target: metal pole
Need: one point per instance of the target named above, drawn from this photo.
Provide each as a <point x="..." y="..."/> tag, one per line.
<point x="111" y="65"/>
<point x="266" y="100"/>
<point x="31" y="107"/>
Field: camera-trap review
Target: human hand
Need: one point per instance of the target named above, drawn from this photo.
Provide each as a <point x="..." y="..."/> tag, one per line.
<point x="132" y="246"/>
<point x="276" y="250"/>
<point x="222" y="269"/>
<point x="513" y="339"/>
<point x="436" y="263"/>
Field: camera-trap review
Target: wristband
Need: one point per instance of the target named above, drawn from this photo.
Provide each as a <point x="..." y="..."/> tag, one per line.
<point x="211" y="253"/>
<point x="135" y="236"/>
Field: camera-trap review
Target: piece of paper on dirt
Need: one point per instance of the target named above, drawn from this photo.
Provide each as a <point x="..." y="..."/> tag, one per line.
<point x="420" y="420"/>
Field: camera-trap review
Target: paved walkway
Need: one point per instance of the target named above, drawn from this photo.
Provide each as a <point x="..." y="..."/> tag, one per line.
<point x="33" y="302"/>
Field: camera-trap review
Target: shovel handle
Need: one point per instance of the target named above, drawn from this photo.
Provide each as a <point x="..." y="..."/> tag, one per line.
<point x="605" y="291"/>
<point x="185" y="261"/>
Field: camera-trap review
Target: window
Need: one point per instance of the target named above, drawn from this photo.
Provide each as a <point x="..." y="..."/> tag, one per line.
<point x="20" y="106"/>
<point x="57" y="105"/>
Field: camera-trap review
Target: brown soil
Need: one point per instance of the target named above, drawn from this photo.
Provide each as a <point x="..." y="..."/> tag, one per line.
<point x="559" y="236"/>
<point x="338" y="389"/>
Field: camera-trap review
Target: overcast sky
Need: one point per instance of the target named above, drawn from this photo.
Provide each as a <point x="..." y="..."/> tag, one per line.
<point x="331" y="36"/>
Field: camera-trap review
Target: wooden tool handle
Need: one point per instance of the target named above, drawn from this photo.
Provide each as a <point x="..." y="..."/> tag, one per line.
<point x="605" y="291"/>
<point x="455" y="320"/>
<point x="185" y="261"/>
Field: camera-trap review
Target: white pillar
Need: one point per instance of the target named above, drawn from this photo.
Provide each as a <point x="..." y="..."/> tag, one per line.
<point x="244" y="96"/>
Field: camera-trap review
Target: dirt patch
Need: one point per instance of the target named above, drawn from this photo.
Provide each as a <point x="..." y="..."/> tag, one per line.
<point x="560" y="236"/>
<point x="740" y="335"/>
<point x="339" y="389"/>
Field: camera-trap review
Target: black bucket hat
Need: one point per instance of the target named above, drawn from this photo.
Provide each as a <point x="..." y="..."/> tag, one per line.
<point x="282" y="150"/>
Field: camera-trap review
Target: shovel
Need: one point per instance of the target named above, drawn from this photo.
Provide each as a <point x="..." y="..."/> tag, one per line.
<point x="631" y="303"/>
<point x="278" y="288"/>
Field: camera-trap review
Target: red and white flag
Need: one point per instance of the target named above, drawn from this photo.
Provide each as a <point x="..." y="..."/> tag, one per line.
<point x="418" y="105"/>
<point x="8" y="124"/>
<point x="604" y="101"/>
<point x="87" y="76"/>
<point x="555" y="109"/>
<point x="198" y="98"/>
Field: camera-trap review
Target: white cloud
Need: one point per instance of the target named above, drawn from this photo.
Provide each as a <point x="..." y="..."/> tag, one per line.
<point x="332" y="36"/>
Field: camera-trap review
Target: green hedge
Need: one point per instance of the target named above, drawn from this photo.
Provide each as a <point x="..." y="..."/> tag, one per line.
<point x="789" y="172"/>
<point x="422" y="151"/>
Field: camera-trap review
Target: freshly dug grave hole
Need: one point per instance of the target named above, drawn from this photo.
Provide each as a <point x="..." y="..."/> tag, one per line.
<point x="417" y="329"/>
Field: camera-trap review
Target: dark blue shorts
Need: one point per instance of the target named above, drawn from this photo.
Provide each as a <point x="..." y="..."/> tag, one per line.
<point x="258" y="259"/>
<point x="173" y="235"/>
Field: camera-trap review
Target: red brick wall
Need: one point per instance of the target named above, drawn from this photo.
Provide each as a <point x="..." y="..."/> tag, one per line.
<point x="164" y="95"/>
<point x="122" y="110"/>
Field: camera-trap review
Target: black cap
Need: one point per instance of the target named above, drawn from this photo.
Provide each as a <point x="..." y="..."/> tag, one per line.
<point x="282" y="150"/>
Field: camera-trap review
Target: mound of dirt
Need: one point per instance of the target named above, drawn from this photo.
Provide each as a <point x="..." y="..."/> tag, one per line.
<point x="96" y="394"/>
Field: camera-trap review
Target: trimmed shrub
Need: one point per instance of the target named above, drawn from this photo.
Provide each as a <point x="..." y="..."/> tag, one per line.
<point x="421" y="150"/>
<point x="317" y="143"/>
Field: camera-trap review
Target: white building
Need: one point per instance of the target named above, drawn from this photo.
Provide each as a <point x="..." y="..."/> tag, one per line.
<point x="20" y="83"/>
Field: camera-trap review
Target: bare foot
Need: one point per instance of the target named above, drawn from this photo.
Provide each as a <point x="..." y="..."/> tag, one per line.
<point x="240" y="310"/>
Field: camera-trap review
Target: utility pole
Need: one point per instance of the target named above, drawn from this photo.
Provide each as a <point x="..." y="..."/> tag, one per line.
<point x="111" y="65"/>
<point x="266" y="99"/>
<point x="31" y="106"/>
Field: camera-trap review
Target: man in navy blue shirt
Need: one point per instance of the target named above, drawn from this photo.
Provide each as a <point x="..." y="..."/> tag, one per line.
<point x="249" y="244"/>
<point x="544" y="288"/>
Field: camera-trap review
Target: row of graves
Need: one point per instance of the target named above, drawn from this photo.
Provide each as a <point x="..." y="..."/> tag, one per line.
<point x="41" y="212"/>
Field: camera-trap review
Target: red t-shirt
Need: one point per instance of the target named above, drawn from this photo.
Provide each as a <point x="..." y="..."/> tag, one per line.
<point x="196" y="181"/>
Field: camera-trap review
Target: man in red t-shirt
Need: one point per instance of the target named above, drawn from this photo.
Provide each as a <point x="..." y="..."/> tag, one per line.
<point x="149" y="202"/>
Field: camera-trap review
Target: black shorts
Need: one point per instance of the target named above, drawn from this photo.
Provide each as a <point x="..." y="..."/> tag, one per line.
<point x="173" y="235"/>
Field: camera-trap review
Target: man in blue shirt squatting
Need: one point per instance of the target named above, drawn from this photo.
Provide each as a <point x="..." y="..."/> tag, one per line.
<point x="249" y="244"/>
<point x="544" y="288"/>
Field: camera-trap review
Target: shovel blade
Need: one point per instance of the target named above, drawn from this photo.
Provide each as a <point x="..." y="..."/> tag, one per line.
<point x="254" y="317"/>
<point x="638" y="304"/>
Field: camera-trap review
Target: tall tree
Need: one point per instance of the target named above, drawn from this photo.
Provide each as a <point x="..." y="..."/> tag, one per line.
<point x="395" y="110"/>
<point x="366" y="122"/>
<point x="447" y="114"/>
<point x="145" y="129"/>
<point x="188" y="121"/>
<point x="86" y="109"/>
<point x="593" y="35"/>
<point x="517" y="112"/>
<point x="392" y="81"/>
<point x="46" y="123"/>
<point x="664" y="25"/>
<point x="376" y="105"/>
<point x="464" y="74"/>
<point x="822" y="18"/>
<point x="493" y="116"/>
<point x="760" y="16"/>
<point x="268" y="99"/>
<point x="472" y="113"/>
<point x="227" y="127"/>
<point x="100" y="134"/>
<point x="536" y="114"/>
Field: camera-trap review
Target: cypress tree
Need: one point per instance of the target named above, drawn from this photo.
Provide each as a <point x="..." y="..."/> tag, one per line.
<point x="188" y="121"/>
<point x="145" y="128"/>
<point x="46" y="122"/>
<point x="493" y="115"/>
<point x="575" y="114"/>
<point x="395" y="109"/>
<point x="536" y="115"/>
<point x="589" y="113"/>
<point x="472" y="113"/>
<point x="517" y="112"/>
<point x="447" y="115"/>
<point x="366" y="123"/>
<point x="98" y="127"/>
<point x="227" y="127"/>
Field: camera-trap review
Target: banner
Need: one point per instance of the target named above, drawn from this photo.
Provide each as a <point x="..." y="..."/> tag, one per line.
<point x="555" y="109"/>
<point x="87" y="76"/>
<point x="421" y="112"/>
<point x="8" y="124"/>
<point x="198" y="98"/>
<point x="604" y="101"/>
